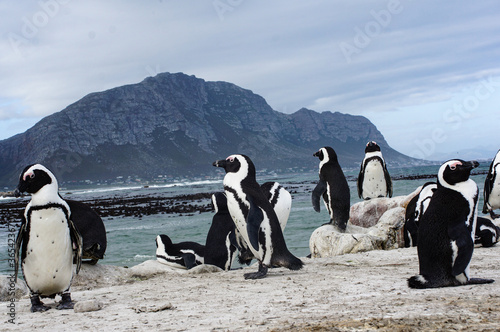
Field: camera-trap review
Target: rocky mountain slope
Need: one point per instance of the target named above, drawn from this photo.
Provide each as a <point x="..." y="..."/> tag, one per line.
<point x="177" y="125"/>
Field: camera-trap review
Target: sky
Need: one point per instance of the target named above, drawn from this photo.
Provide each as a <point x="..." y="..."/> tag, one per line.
<point x="426" y="73"/>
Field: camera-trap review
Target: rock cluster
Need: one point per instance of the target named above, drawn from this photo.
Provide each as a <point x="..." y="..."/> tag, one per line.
<point x="373" y="224"/>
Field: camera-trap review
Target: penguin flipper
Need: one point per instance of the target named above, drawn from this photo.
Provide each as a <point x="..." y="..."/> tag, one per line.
<point x="488" y="183"/>
<point x="388" y="181"/>
<point x="19" y="240"/>
<point x="462" y="246"/>
<point x="254" y="219"/>
<point x="77" y="240"/>
<point x="318" y="193"/>
<point x="361" y="177"/>
<point x="189" y="260"/>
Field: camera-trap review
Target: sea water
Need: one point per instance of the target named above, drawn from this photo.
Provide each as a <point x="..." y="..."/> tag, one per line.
<point x="131" y="240"/>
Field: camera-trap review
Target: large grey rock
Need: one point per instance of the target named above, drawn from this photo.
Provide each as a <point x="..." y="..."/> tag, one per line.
<point x="327" y="241"/>
<point x="367" y="213"/>
<point x="95" y="276"/>
<point x="9" y="289"/>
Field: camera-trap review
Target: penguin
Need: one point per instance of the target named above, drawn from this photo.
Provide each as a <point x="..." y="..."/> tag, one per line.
<point x="280" y="199"/>
<point x="374" y="179"/>
<point x="91" y="227"/>
<point x="492" y="188"/>
<point x="254" y="216"/>
<point x="182" y="255"/>
<point x="487" y="233"/>
<point x="46" y="240"/>
<point x="447" y="229"/>
<point x="281" y="202"/>
<point x="414" y="211"/>
<point x="333" y="187"/>
<point x="220" y="245"/>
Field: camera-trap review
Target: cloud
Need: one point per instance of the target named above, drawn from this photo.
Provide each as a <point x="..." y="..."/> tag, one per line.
<point x="409" y="54"/>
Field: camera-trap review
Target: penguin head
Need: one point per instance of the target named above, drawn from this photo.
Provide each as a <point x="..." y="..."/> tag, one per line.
<point x="455" y="171"/>
<point x="35" y="177"/>
<point x="219" y="202"/>
<point x="326" y="155"/>
<point x="372" y="146"/>
<point x="163" y="241"/>
<point x="237" y="163"/>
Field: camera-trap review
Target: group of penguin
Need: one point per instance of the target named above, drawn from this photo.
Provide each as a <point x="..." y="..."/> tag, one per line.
<point x="250" y="219"/>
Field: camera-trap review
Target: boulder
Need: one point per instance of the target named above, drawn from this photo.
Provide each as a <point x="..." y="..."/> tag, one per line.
<point x="367" y="213"/>
<point x="98" y="275"/>
<point x="327" y="241"/>
<point x="12" y="290"/>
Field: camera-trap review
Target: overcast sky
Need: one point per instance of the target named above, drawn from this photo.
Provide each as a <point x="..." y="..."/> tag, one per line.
<point x="426" y="73"/>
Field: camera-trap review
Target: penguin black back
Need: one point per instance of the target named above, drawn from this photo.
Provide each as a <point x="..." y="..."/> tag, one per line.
<point x="91" y="227"/>
<point x="332" y="187"/>
<point x="220" y="248"/>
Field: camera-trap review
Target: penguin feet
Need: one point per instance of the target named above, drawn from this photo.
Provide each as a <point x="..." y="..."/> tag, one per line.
<point x="261" y="273"/>
<point x="65" y="302"/>
<point x="92" y="261"/>
<point x="37" y="305"/>
<point x="493" y="215"/>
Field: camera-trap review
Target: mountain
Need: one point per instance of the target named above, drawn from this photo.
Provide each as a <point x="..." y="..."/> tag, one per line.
<point x="177" y="125"/>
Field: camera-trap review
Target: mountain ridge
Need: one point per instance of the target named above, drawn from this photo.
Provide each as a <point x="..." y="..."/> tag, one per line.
<point x="178" y="124"/>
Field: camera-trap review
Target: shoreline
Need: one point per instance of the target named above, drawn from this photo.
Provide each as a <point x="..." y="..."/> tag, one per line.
<point x="353" y="292"/>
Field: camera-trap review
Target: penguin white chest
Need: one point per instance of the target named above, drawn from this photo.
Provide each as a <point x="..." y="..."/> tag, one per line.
<point x="48" y="265"/>
<point x="374" y="184"/>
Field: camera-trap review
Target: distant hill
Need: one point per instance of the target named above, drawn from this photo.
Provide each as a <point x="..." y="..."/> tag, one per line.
<point x="177" y="125"/>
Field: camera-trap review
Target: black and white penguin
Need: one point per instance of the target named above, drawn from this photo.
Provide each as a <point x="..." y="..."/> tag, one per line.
<point x="414" y="211"/>
<point x="220" y="246"/>
<point x="91" y="227"/>
<point x="333" y="187"/>
<point x="254" y="216"/>
<point x="46" y="239"/>
<point x="281" y="201"/>
<point x="447" y="229"/>
<point x="487" y="233"/>
<point x="492" y="188"/>
<point x="374" y="179"/>
<point x="182" y="255"/>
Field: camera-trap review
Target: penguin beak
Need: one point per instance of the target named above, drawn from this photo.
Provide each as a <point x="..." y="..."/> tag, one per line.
<point x="470" y="164"/>
<point x="17" y="193"/>
<point x="220" y="163"/>
<point x="316" y="154"/>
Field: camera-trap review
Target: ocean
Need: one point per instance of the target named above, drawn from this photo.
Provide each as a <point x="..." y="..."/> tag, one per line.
<point x="131" y="240"/>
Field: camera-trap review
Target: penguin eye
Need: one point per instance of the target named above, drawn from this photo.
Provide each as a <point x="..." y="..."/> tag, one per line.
<point x="230" y="159"/>
<point x="453" y="167"/>
<point x="28" y="175"/>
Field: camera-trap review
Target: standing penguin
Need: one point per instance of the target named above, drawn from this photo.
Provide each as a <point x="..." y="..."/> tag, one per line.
<point x="220" y="246"/>
<point x="90" y="226"/>
<point x="492" y="188"/>
<point x="447" y="230"/>
<point x="333" y="187"/>
<point x="46" y="238"/>
<point x="414" y="211"/>
<point x="254" y="216"/>
<point x="374" y="179"/>
<point x="281" y="201"/>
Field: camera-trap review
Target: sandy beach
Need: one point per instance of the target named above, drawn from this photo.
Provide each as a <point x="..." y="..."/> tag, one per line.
<point x="354" y="292"/>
